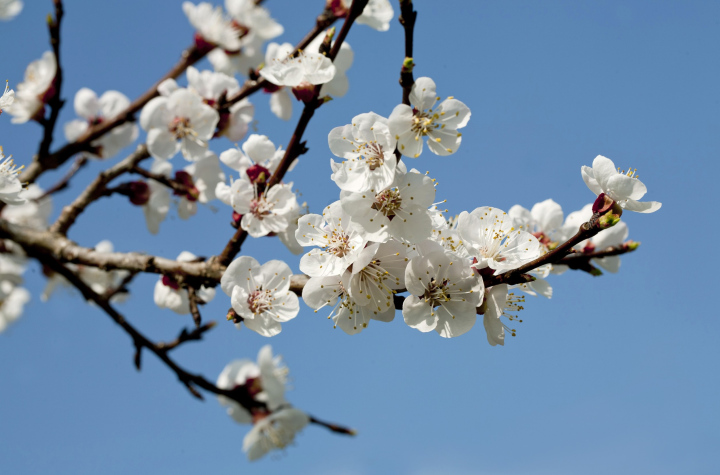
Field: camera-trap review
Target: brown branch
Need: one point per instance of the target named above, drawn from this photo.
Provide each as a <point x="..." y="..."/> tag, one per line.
<point x="55" y="101"/>
<point x="333" y="427"/>
<point x="45" y="162"/>
<point x="194" y="300"/>
<point x="185" y="336"/>
<point x="296" y="146"/>
<point x="96" y="189"/>
<point x="63" y="183"/>
<point x="407" y="20"/>
<point x="162" y="179"/>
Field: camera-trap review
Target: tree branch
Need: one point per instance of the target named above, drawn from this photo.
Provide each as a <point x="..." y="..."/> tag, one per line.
<point x="55" y="101"/>
<point x="407" y="19"/>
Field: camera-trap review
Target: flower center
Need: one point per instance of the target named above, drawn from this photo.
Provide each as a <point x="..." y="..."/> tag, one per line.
<point x="8" y="168"/>
<point x="181" y="127"/>
<point x="436" y="293"/>
<point x="388" y="201"/>
<point x="260" y="208"/>
<point x="339" y="243"/>
<point x="632" y="172"/>
<point x="511" y="305"/>
<point x="373" y="153"/>
<point x="260" y="301"/>
<point x="423" y="122"/>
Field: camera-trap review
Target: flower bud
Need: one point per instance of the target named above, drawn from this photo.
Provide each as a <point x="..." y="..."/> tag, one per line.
<point x="324" y="48"/>
<point x="203" y="45"/>
<point x="137" y="191"/>
<point x="609" y="219"/>
<point x="408" y="65"/>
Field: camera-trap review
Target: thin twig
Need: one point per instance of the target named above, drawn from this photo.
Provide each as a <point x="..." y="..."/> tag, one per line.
<point x="55" y="101"/>
<point x="333" y="427"/>
<point x="185" y="336"/>
<point x="162" y="179"/>
<point x="70" y="213"/>
<point x="194" y="300"/>
<point x="64" y="182"/>
<point x="407" y="20"/>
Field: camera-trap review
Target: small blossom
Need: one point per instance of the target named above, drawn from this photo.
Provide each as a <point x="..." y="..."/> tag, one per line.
<point x="178" y="120"/>
<point x="10" y="186"/>
<point x="489" y="236"/>
<point x="157" y="206"/>
<point x="275" y="431"/>
<point x="339" y="241"/>
<point x="35" y="91"/>
<point x="410" y="125"/>
<point x="624" y="188"/>
<point x="213" y="26"/>
<point x="7" y="98"/>
<point x="12" y="301"/>
<point x="168" y="293"/>
<point x="9" y="9"/>
<point x="376" y="14"/>
<point x="33" y="213"/>
<point x="261" y="294"/>
<point x="499" y="303"/>
<point x="368" y="148"/>
<point x="444" y="292"/>
<point x="285" y="69"/>
<point x="95" y="111"/>
<point x="338" y="86"/>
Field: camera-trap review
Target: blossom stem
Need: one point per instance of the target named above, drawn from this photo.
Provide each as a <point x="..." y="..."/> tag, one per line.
<point x="407" y="19"/>
<point x="55" y="101"/>
<point x="333" y="427"/>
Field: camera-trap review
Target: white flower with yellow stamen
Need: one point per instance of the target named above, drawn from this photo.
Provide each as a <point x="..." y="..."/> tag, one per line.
<point x="624" y="188"/>
<point x="489" y="236"/>
<point x="498" y="303"/>
<point x="261" y="294"/>
<point x="275" y="431"/>
<point x="10" y="186"/>
<point x="410" y="125"/>
<point x="7" y="98"/>
<point x="37" y="88"/>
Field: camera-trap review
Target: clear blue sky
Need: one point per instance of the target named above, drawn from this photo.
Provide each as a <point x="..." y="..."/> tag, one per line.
<point x="616" y="374"/>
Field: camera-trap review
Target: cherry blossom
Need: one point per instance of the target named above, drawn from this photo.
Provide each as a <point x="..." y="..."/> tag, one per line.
<point x="410" y="125"/>
<point x="10" y="186"/>
<point x="444" y="292"/>
<point x="9" y="9"/>
<point x="168" y="293"/>
<point x="489" y="236"/>
<point x="260" y="155"/>
<point x="33" y="213"/>
<point x="399" y="212"/>
<point x="158" y="204"/>
<point x="7" y="98"/>
<point x="624" y="188"/>
<point x="211" y="86"/>
<point x="261" y="294"/>
<point x="275" y="431"/>
<point x="368" y="148"/>
<point x="202" y="178"/>
<point x="178" y="120"/>
<point x="340" y="243"/>
<point x="96" y="110"/>
<point x="376" y="14"/>
<point x="338" y="86"/>
<point x="499" y="302"/>
<point x="12" y="301"/>
<point x="213" y="27"/>
<point x="36" y="89"/>
<point x="302" y="69"/>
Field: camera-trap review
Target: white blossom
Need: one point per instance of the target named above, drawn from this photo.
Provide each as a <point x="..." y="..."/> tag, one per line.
<point x="213" y="26"/>
<point x="338" y="86"/>
<point x="264" y="381"/>
<point x="276" y="431"/>
<point x="168" y="293"/>
<point x="376" y="14"/>
<point x="33" y="213"/>
<point x="489" y="236"/>
<point x="260" y="294"/>
<point x="444" y="292"/>
<point x="399" y="212"/>
<point x="410" y="125"/>
<point x="36" y="89"/>
<point x="10" y="186"/>
<point x="613" y="236"/>
<point x="211" y="86"/>
<point x="284" y="69"/>
<point x="340" y="243"/>
<point x="368" y="148"/>
<point x="9" y="9"/>
<point x="12" y="301"/>
<point x="499" y="303"/>
<point x="158" y="204"/>
<point x="258" y="151"/>
<point x="7" y="98"/>
<point x="178" y="120"/>
<point x="95" y="111"/>
<point x="624" y="188"/>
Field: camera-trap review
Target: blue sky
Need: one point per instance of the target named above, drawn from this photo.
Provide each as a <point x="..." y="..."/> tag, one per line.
<point x="615" y="374"/>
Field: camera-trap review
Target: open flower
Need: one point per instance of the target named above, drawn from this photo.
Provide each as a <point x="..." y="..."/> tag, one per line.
<point x="178" y="120"/>
<point x="95" y="111"/>
<point x="260" y="294"/>
<point x="624" y="188"/>
<point x="168" y="293"/>
<point x="35" y="91"/>
<point x="10" y="186"/>
<point x="7" y="98"/>
<point x="499" y="303"/>
<point x="444" y="292"/>
<point x="285" y="69"/>
<point x="275" y="431"/>
<point x="213" y="27"/>
<point x="410" y="125"/>
<point x="368" y="148"/>
<point x="489" y="236"/>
